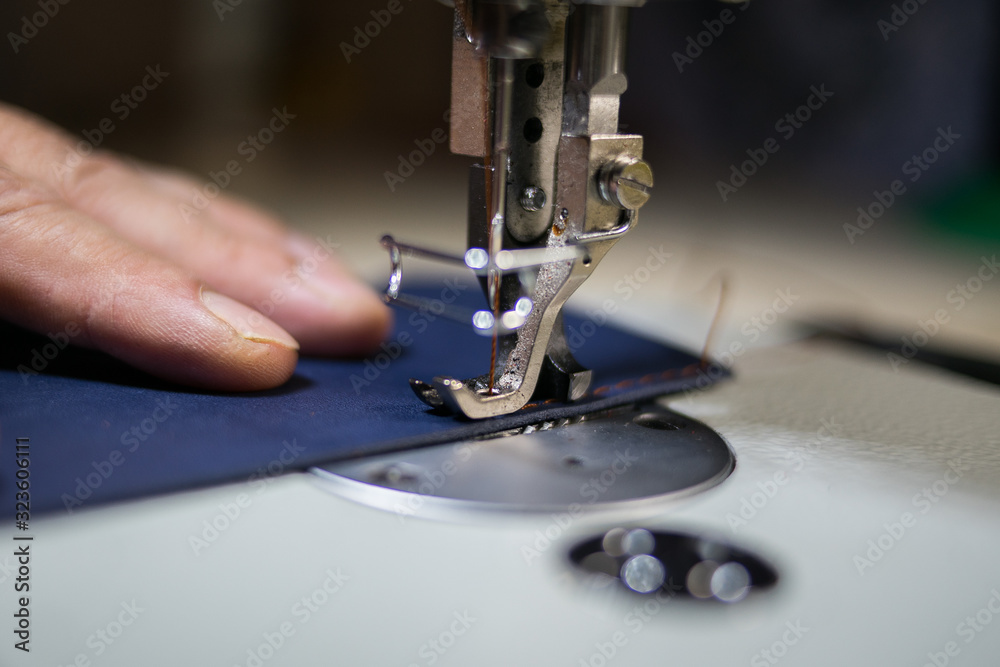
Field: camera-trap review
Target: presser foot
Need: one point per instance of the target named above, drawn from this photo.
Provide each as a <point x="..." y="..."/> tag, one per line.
<point x="472" y="398"/>
<point x="555" y="377"/>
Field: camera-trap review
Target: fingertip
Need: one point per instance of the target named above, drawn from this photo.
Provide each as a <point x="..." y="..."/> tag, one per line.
<point x="260" y="355"/>
<point x="351" y="319"/>
<point x="248" y="323"/>
<point x="199" y="338"/>
<point x="249" y="366"/>
<point x="62" y="266"/>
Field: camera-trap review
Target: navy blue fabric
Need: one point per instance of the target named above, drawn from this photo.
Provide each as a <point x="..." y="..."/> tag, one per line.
<point x="100" y="431"/>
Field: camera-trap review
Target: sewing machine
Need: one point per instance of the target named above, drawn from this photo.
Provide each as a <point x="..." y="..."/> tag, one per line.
<point x="819" y="508"/>
<point x="535" y="96"/>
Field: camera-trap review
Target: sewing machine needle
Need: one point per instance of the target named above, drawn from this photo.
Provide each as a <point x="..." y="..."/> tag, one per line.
<point x="499" y="163"/>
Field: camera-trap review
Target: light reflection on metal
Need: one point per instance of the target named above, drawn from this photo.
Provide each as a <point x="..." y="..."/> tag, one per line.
<point x="483" y="322"/>
<point x="697" y="567"/>
<point x="699" y="579"/>
<point x="643" y="573"/>
<point x="638" y="541"/>
<point x="730" y="582"/>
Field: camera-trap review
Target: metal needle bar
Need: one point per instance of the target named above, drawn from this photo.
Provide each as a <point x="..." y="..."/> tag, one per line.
<point x="499" y="162"/>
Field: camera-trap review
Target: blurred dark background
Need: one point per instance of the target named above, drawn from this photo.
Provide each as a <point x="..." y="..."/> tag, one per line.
<point x="231" y="61"/>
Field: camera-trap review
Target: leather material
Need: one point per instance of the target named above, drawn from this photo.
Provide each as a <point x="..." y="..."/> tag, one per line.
<point x="101" y="431"/>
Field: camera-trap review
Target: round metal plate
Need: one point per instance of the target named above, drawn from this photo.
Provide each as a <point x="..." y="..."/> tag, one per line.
<point x="626" y="454"/>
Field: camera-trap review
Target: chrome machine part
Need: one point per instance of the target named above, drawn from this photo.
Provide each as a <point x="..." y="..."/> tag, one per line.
<point x="535" y="93"/>
<point x="629" y="454"/>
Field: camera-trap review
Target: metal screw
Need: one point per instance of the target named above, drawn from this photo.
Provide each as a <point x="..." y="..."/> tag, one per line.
<point x="559" y="226"/>
<point x="532" y="198"/>
<point x="626" y="183"/>
<point x="393" y="475"/>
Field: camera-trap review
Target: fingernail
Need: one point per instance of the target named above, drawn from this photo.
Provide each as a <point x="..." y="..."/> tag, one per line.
<point x="248" y="322"/>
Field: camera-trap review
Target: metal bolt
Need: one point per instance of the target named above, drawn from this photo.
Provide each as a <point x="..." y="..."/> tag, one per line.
<point x="626" y="183"/>
<point x="532" y="198"/>
<point x="559" y="226"/>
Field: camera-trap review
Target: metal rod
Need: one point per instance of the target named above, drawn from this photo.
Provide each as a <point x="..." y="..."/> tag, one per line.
<point x="502" y="102"/>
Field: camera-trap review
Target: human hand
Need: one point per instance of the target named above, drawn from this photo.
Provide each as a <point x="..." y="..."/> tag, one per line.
<point x="102" y="249"/>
